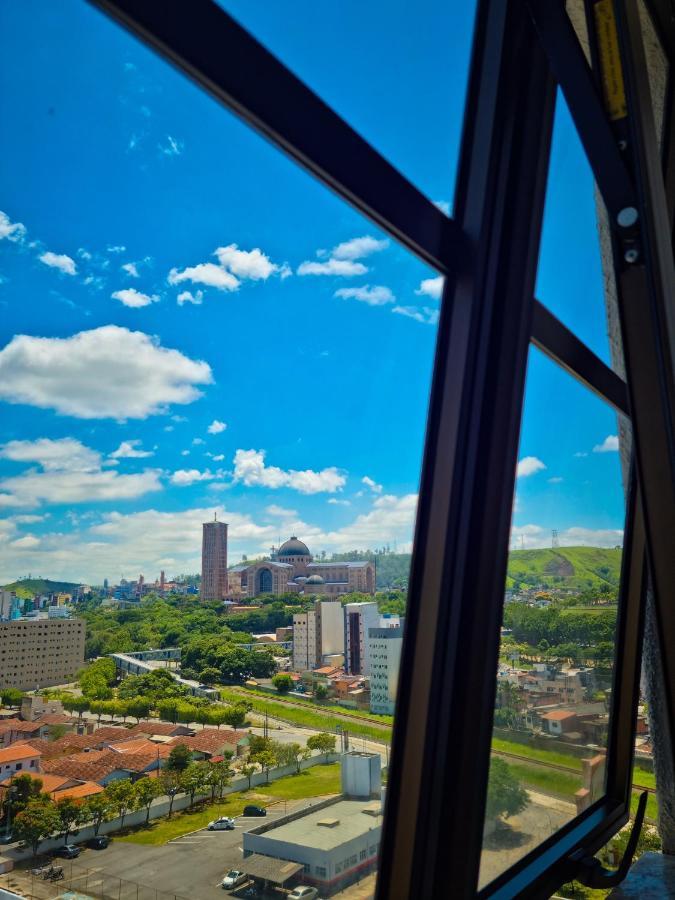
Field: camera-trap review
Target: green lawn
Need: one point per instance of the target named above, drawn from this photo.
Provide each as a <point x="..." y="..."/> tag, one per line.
<point x="328" y="707"/>
<point x="313" y="782"/>
<point x="652" y="810"/>
<point x="550" y="780"/>
<point x="549" y="756"/>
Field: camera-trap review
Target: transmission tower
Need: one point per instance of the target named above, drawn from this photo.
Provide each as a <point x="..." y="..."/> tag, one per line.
<point x="555" y="542"/>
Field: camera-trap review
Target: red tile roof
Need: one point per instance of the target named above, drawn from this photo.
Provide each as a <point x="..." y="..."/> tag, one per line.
<point x="16" y="752"/>
<point x="211" y="740"/>
<point x="98" y="764"/>
<point x="155" y="727"/>
<point x="558" y="715"/>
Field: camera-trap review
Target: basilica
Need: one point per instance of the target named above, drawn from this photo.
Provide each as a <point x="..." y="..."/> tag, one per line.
<point x="291" y="569"/>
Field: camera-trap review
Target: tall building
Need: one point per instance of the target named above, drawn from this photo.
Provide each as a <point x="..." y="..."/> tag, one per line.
<point x="318" y="633"/>
<point x="359" y="617"/>
<point x="292" y="570"/>
<point x="40" y="652"/>
<point x="214" y="560"/>
<point x="384" y="650"/>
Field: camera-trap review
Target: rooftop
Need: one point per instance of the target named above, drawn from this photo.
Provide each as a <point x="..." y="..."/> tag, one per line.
<point x="348" y="820"/>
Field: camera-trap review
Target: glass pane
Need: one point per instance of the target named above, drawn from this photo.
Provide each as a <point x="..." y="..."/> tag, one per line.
<point x="570" y="273"/>
<point x="554" y="676"/>
<point x="396" y="72"/>
<point x="202" y="357"/>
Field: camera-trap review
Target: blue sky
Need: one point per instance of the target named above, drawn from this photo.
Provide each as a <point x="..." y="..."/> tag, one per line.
<point x="190" y="323"/>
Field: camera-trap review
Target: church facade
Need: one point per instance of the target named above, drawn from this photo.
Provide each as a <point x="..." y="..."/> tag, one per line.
<point x="291" y="569"/>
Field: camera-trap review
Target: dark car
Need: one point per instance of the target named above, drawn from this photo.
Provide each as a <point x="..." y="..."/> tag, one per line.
<point x="68" y="851"/>
<point x="100" y="842"/>
<point x="253" y="810"/>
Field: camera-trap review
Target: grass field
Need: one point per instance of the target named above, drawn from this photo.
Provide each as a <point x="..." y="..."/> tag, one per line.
<point x="309" y="718"/>
<point x="549" y="780"/>
<point x="316" y="781"/>
<point x="576" y="567"/>
<point x="547" y="756"/>
<point x="330" y="708"/>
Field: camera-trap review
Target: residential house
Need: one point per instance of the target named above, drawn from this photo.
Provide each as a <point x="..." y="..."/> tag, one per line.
<point x="18" y="758"/>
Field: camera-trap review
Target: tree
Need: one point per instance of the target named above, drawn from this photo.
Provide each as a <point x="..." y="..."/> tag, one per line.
<point x="171" y="785"/>
<point x="39" y="820"/>
<point x="99" y="809"/>
<point x="194" y="780"/>
<point x="121" y="708"/>
<point x="293" y="754"/>
<point x="123" y="797"/>
<point x="26" y="789"/>
<point x="219" y="774"/>
<point x="505" y="796"/>
<point x="282" y="682"/>
<point x="266" y="759"/>
<point x="147" y="790"/>
<point x="210" y="675"/>
<point x="248" y="771"/>
<point x="70" y="814"/>
<point x="235" y="715"/>
<point x="56" y="732"/>
<point x="76" y="704"/>
<point x="106" y="707"/>
<point x="179" y="758"/>
<point x="216" y="715"/>
<point x="323" y="742"/>
<point x="168" y="710"/>
<point x="320" y="690"/>
<point x="185" y="713"/>
<point x="257" y="743"/>
<point x="138" y="708"/>
<point x="11" y="696"/>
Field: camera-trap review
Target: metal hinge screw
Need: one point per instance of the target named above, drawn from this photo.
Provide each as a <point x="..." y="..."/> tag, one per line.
<point x="631" y="255"/>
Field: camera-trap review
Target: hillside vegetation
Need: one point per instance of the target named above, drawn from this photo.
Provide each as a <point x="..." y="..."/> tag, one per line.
<point x="31" y="587"/>
<point x="566" y="567"/>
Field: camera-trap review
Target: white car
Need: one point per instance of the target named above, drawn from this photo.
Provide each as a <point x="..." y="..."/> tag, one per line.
<point x="225" y="823"/>
<point x="303" y="893"/>
<point x="234" y="878"/>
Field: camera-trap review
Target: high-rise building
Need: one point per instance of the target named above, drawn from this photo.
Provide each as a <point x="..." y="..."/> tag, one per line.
<point x="214" y="560"/>
<point x="318" y="633"/>
<point x="359" y="617"/>
<point x="40" y="652"/>
<point x="384" y="651"/>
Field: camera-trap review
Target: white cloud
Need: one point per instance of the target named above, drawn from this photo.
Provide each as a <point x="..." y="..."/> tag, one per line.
<point x="197" y="441"/>
<point x="133" y="298"/>
<point x="529" y="465"/>
<point x="70" y="473"/>
<point x="580" y="454"/>
<point x="250" y="469"/>
<point x="206" y="273"/>
<point x="130" y="450"/>
<point x="425" y="315"/>
<point x="555" y="480"/>
<point x="219" y="457"/>
<point x="168" y="428"/>
<point x="28" y="542"/>
<point x="130" y="269"/>
<point x="185" y="477"/>
<point x="281" y="511"/>
<point x="59" y="261"/>
<point x="431" y="287"/>
<point x="172" y="147"/>
<point x="375" y="488"/>
<point x="216" y="427"/>
<point x="609" y="445"/>
<point x="97" y="374"/>
<point x="117" y="248"/>
<point x="359" y="247"/>
<point x="335" y="502"/>
<point x="13" y="231"/>
<point x="533" y="537"/>
<point x="83" y="254"/>
<point x="177" y="418"/>
<point x="253" y="264"/>
<point x="378" y="295"/>
<point x="189" y="297"/>
<point x="184" y="452"/>
<point x="343" y="267"/>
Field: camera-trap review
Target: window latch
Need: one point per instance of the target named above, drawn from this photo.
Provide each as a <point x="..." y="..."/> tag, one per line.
<point x="590" y="871"/>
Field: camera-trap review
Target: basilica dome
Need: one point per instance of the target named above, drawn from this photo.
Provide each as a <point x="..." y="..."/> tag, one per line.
<point x="293" y="547"/>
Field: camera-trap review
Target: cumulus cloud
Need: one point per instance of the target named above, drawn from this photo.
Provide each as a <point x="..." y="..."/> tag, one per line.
<point x="555" y="480"/>
<point x="529" y="465"/>
<point x="234" y="267"/>
<point x="378" y="295"/>
<point x="609" y="445"/>
<point x="251" y="470"/>
<point x="60" y="261"/>
<point x="135" y="299"/>
<point x="253" y="264"/>
<point x="431" y="287"/>
<point x="189" y="297"/>
<point x="185" y="477"/>
<point x="359" y="247"/>
<point x="116" y="248"/>
<point x="343" y="267"/>
<point x="534" y="537"/>
<point x="13" y="231"/>
<point x="69" y="472"/>
<point x="374" y="487"/>
<point x="196" y="441"/>
<point x="216" y="427"/>
<point x="280" y="511"/>
<point x="96" y="374"/>
<point x="130" y="450"/>
<point x="425" y="315"/>
<point x="335" y="502"/>
<point x="219" y="457"/>
<point x="342" y="259"/>
<point x="130" y="269"/>
<point x="206" y="273"/>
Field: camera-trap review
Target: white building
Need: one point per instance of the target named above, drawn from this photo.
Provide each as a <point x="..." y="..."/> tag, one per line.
<point x="384" y="651"/>
<point x="359" y="617"/>
<point x="318" y="633"/>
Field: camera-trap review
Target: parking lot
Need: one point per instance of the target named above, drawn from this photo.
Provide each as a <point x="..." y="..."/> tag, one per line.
<point x="191" y="866"/>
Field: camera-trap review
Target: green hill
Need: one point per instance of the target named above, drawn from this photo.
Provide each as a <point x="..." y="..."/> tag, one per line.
<point x="565" y="567"/>
<point x="29" y="587"/>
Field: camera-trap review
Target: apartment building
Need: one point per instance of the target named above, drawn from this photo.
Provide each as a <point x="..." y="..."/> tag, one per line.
<point x="318" y="633"/>
<point x="40" y="652"/>
<point x="214" y="561"/>
<point x="384" y="651"/>
<point x="359" y="617"/>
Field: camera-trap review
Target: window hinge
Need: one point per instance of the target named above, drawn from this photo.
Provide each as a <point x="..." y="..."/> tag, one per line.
<point x="590" y="871"/>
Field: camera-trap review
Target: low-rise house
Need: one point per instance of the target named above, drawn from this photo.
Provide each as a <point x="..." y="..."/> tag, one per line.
<point x="212" y="742"/>
<point x="153" y="729"/>
<point x="17" y="759"/>
<point x="560" y="721"/>
<point x="104" y="766"/>
<point x="58" y="787"/>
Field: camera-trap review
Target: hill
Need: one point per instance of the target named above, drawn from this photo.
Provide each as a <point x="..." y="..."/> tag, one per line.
<point x="30" y="587"/>
<point x="565" y="567"/>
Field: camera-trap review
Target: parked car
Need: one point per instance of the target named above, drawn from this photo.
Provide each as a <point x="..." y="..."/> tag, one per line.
<point x="234" y="878"/>
<point x="253" y="810"/>
<point x="224" y="823"/>
<point x="68" y="851"/>
<point x="302" y="892"/>
<point x="100" y="842"/>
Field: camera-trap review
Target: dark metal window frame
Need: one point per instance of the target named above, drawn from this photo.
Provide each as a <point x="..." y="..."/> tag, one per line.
<point x="488" y="252"/>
